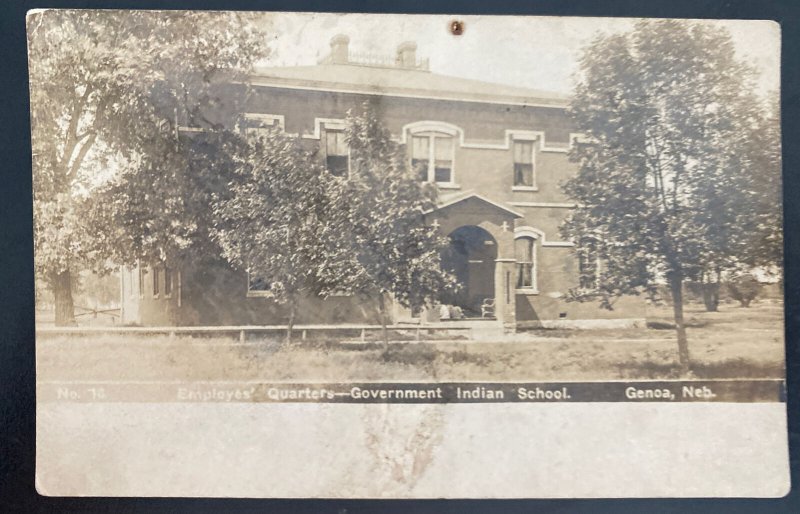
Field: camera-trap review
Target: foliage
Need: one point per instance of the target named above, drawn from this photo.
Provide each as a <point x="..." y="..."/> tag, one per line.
<point x="393" y="251"/>
<point x="160" y="211"/>
<point x="280" y="223"/>
<point x="744" y="289"/>
<point x="764" y="234"/>
<point x="665" y="180"/>
<point x="305" y="231"/>
<point x="101" y="84"/>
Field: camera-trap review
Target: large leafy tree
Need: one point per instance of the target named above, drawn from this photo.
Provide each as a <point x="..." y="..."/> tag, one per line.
<point x="765" y="248"/>
<point x="103" y="85"/>
<point x="393" y="251"/>
<point x="665" y="185"/>
<point x="280" y="223"/>
<point x="160" y="210"/>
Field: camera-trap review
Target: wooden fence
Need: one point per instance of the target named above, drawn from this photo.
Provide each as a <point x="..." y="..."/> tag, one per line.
<point x="243" y="330"/>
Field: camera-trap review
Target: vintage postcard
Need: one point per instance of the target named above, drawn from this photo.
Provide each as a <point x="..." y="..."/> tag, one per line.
<point x="407" y="256"/>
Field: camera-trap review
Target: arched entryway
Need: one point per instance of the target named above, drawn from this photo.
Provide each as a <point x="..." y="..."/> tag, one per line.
<point x="471" y="258"/>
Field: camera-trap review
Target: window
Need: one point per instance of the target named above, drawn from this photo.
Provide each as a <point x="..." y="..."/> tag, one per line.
<point x="336" y="154"/>
<point x="523" y="163"/>
<point x="167" y="282"/>
<point x="259" y="125"/>
<point x="420" y="153"/>
<point x="254" y="133"/>
<point x="156" y="288"/>
<point x="443" y="159"/>
<point x="525" y="250"/>
<point x="588" y="264"/>
<point x="142" y="273"/>
<point x="432" y="157"/>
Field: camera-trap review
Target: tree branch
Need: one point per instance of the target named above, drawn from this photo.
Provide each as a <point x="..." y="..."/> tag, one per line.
<point x="81" y="136"/>
<point x="81" y="155"/>
<point x="92" y="133"/>
<point x="72" y="128"/>
<point x="658" y="173"/>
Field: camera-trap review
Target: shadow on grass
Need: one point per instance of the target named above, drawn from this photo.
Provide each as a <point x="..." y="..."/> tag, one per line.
<point x="668" y="325"/>
<point x="413" y="356"/>
<point x="424" y="355"/>
<point x="728" y="368"/>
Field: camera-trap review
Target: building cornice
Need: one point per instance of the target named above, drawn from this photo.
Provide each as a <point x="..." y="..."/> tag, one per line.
<point x="366" y="89"/>
<point x="472" y="195"/>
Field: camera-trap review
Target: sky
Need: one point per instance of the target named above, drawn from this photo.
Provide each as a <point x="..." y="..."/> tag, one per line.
<point x="536" y="52"/>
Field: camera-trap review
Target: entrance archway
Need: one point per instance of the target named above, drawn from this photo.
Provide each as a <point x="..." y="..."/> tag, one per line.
<point x="471" y="258"/>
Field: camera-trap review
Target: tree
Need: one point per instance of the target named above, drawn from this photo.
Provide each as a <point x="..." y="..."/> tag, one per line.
<point x="744" y="289"/>
<point x="307" y="232"/>
<point x="102" y="83"/>
<point x="280" y="222"/>
<point x="765" y="244"/>
<point x="664" y="181"/>
<point x="160" y="211"/>
<point x="393" y="251"/>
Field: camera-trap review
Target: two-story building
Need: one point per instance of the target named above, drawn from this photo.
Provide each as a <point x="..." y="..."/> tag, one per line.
<point x="497" y="153"/>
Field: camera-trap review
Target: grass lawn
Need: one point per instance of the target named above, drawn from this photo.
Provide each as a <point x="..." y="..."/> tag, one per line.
<point x="732" y="343"/>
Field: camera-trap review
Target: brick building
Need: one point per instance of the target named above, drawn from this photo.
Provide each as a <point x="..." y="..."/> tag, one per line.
<point x="497" y="153"/>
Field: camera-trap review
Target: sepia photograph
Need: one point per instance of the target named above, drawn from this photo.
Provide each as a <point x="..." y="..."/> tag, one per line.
<point x="236" y="213"/>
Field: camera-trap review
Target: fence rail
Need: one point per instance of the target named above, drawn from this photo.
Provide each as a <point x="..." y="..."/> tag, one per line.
<point x="244" y="330"/>
<point x="94" y="311"/>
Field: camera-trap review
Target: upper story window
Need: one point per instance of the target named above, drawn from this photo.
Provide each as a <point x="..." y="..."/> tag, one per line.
<point x="523" y="164"/>
<point x="258" y="130"/>
<point x="432" y="156"/>
<point x="525" y="252"/>
<point x="257" y="125"/>
<point x="337" y="158"/>
<point x="420" y="154"/>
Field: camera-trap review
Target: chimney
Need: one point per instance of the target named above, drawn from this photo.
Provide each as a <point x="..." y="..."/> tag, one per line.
<point x="407" y="55"/>
<point x="339" y="50"/>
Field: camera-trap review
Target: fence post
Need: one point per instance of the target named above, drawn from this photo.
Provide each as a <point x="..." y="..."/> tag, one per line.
<point x="242" y="336"/>
<point x="304" y="334"/>
<point x="363" y="335"/>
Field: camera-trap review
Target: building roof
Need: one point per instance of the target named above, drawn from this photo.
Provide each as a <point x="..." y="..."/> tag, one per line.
<point x="450" y="200"/>
<point x="401" y="82"/>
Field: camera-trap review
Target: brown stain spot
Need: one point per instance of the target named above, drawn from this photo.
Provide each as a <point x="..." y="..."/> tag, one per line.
<point x="402" y="450"/>
<point x="456" y="27"/>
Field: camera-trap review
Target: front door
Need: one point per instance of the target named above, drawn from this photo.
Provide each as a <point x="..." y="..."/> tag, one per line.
<point x="471" y="258"/>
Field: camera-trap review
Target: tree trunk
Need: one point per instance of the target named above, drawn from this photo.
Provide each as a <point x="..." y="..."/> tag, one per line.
<point x="290" y="324"/>
<point x="711" y="296"/>
<point x="382" y="316"/>
<point x="62" y="292"/>
<point x="676" y="289"/>
<point x="711" y="291"/>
